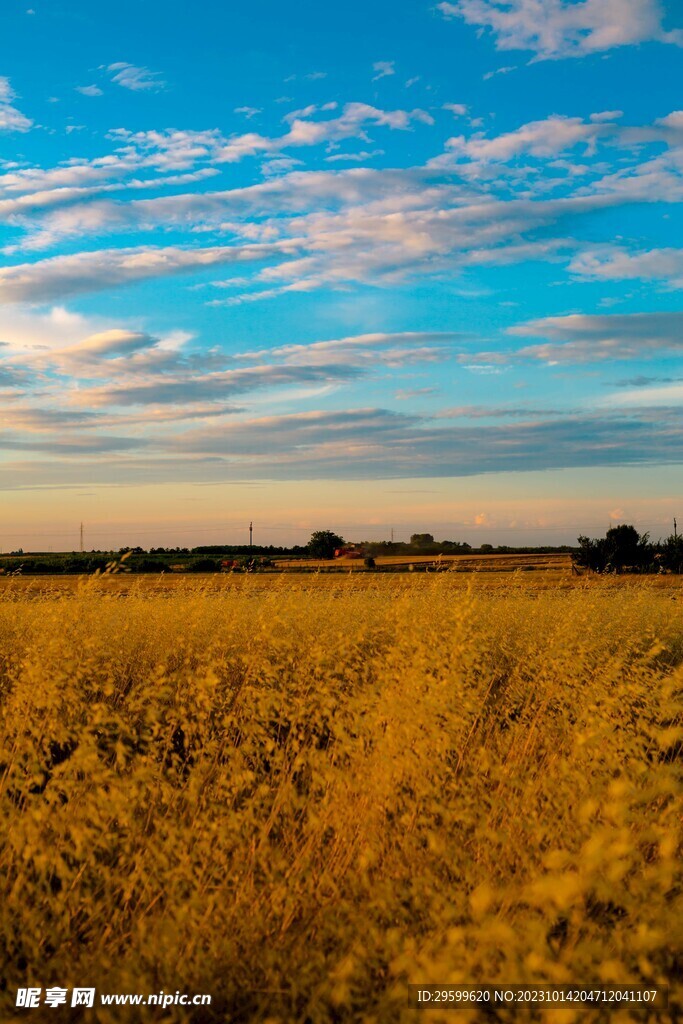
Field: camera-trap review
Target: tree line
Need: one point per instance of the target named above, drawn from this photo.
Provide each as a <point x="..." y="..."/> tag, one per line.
<point x="324" y="543"/>
<point x="624" y="549"/>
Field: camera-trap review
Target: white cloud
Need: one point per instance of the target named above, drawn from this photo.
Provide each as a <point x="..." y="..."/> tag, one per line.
<point x="114" y="342"/>
<point x="150" y="374"/>
<point x="31" y="419"/>
<point x="353" y="225"/>
<point x="372" y="443"/>
<point x="565" y="28"/>
<point x="606" y="115"/>
<point x="165" y="390"/>
<point x="11" y="119"/>
<point x="319" y="431"/>
<point x="358" y="158"/>
<point x="499" y="71"/>
<point x="399" y="349"/>
<point x="407" y="394"/>
<point x="249" y="112"/>
<point x="158" y="385"/>
<point x="424" y="230"/>
<point x="279" y="165"/>
<point x="309" y="111"/>
<point x="383" y="69"/>
<point x="457" y="109"/>
<point x="62" y="276"/>
<point x="161" y="151"/>
<point x="27" y="332"/>
<point x="89" y="90"/>
<point x="137" y="79"/>
<point x="486" y="412"/>
<point x="351" y="123"/>
<point x="582" y="338"/>
<point x="294" y="192"/>
<point x="610" y="263"/>
<point x="542" y="139"/>
<point x="670" y="395"/>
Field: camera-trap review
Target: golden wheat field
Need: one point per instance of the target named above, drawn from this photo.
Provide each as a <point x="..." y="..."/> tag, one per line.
<point x="302" y="795"/>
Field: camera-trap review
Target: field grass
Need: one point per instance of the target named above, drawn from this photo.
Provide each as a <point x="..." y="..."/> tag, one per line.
<point x="299" y="795"/>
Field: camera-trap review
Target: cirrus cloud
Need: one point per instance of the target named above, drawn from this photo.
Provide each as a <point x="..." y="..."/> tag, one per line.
<point x="137" y="79"/>
<point x="11" y="119"/>
<point x="63" y="276"/>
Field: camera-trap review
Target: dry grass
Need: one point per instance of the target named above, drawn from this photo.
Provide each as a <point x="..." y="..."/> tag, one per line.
<point x="299" y="796"/>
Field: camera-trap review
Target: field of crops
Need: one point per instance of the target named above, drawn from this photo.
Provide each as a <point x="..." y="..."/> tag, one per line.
<point x="300" y="795"/>
<point x="455" y="563"/>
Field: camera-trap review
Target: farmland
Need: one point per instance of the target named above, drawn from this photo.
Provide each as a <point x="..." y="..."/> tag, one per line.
<point x="300" y="793"/>
<point x="265" y="560"/>
<point x="455" y="563"/>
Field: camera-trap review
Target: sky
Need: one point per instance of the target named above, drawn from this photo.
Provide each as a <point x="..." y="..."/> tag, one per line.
<point x="407" y="266"/>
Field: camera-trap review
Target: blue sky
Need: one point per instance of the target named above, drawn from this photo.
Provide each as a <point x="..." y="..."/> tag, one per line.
<point x="398" y="265"/>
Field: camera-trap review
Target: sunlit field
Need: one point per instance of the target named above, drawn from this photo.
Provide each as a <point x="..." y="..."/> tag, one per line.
<point x="457" y="563"/>
<point x="300" y="794"/>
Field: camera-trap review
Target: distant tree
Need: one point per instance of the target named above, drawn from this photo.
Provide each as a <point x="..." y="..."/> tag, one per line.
<point x="149" y="565"/>
<point x="204" y="565"/>
<point x="324" y="543"/>
<point x="621" y="548"/>
<point x="486" y="548"/>
<point x="671" y="553"/>
<point x="421" y="540"/>
<point x="626" y="548"/>
<point x="590" y="554"/>
<point x="455" y="545"/>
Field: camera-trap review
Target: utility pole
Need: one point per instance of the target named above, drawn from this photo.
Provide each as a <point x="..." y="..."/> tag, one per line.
<point x="81" y="538"/>
<point x="675" y="529"/>
<point x="251" y="533"/>
<point x="392" y="535"/>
